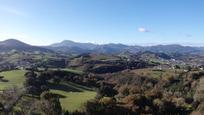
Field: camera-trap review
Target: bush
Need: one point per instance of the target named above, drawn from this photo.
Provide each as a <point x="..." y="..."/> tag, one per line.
<point x="107" y="101"/>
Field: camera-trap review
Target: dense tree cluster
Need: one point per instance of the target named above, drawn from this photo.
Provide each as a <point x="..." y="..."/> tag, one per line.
<point x="34" y="84"/>
<point x="180" y="94"/>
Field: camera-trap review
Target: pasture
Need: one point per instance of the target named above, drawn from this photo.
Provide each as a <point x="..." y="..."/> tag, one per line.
<point x="12" y="78"/>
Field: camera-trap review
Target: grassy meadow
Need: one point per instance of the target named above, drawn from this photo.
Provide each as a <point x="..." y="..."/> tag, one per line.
<point x="13" y="78"/>
<point x="73" y="95"/>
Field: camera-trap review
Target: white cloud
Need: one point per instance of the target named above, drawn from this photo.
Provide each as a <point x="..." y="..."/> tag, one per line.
<point x="142" y="29"/>
<point x="13" y="11"/>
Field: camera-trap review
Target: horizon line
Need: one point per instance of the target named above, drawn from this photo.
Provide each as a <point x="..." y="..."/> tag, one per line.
<point x="188" y="44"/>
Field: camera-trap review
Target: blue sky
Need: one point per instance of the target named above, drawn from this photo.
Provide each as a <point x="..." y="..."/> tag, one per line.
<point x="141" y="22"/>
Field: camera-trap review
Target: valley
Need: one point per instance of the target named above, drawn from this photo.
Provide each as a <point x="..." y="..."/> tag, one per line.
<point x="98" y="83"/>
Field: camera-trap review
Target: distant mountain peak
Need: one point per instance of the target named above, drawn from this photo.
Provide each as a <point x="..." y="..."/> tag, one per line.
<point x="67" y="41"/>
<point x="11" y="44"/>
<point x="12" y="41"/>
<point x="72" y="44"/>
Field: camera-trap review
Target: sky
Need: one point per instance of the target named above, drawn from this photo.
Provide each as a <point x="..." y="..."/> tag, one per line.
<point x="132" y="22"/>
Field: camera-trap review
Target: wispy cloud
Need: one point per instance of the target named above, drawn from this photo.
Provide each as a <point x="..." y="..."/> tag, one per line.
<point x="143" y="29"/>
<point x="13" y="11"/>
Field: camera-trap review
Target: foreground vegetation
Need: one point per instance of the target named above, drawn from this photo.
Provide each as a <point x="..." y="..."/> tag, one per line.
<point x="71" y="93"/>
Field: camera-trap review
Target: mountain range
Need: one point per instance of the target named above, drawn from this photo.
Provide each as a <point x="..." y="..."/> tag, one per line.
<point x="68" y="46"/>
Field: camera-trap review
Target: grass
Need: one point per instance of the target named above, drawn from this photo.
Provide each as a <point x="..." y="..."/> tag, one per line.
<point x="68" y="70"/>
<point x="74" y="98"/>
<point x="73" y="70"/>
<point x="14" y="77"/>
<point x="65" y="69"/>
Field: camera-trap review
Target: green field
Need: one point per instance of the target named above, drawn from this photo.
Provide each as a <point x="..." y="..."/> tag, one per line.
<point x="70" y="70"/>
<point x="14" y="77"/>
<point x="73" y="95"/>
<point x="65" y="69"/>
